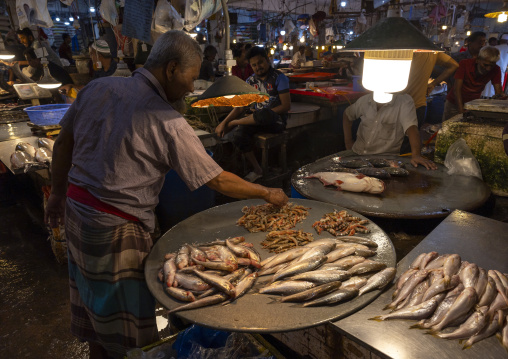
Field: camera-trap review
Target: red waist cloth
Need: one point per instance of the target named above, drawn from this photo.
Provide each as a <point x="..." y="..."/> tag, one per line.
<point x="82" y="196"/>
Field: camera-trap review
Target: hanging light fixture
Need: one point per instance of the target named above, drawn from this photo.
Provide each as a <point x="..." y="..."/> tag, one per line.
<point x="389" y="47"/>
<point x="47" y="81"/>
<point x="283" y="32"/>
<point x="4" y="54"/>
<point x="229" y="90"/>
<point x="444" y="27"/>
<point x="122" y="70"/>
<point x="468" y="33"/>
<point x="500" y="14"/>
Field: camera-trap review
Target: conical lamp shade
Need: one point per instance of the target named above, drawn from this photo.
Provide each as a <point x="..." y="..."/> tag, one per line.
<point x="229" y="91"/>
<point x="498" y="12"/>
<point x="392" y="33"/>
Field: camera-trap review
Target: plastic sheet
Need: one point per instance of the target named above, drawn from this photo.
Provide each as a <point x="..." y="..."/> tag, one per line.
<point x="460" y="160"/>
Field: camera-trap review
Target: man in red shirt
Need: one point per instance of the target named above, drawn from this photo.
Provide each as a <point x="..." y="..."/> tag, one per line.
<point x="470" y="80"/>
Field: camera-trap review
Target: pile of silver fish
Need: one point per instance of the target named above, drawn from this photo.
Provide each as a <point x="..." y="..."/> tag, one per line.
<point x="326" y="271"/>
<point x="442" y="291"/>
<point x="27" y="155"/>
<point x="210" y="273"/>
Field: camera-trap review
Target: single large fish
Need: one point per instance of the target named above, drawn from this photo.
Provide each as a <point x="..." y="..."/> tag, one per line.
<point x="427" y="259"/>
<point x="182" y="258"/>
<point x="46" y="143"/>
<point x="379" y="162"/>
<point x="322" y="276"/>
<point x="342" y="294"/>
<point x="339" y="253"/>
<point x="359" y="240"/>
<point x="464" y="302"/>
<point x="304" y="266"/>
<point x="441" y="285"/>
<point x="285" y="257"/>
<point x="416" y="262"/>
<point x="169" y="268"/>
<point x="374" y="172"/>
<point x="43" y="155"/>
<point x="366" y="267"/>
<point x="489" y="294"/>
<point x="420" y="311"/>
<point x="317" y="251"/>
<point x="470" y="327"/>
<point x="243" y="286"/>
<point x="350" y="182"/>
<point x="438" y="262"/>
<point x="379" y="280"/>
<point x="312" y="293"/>
<point x="347" y="262"/>
<point x="287" y="287"/>
<point x="356" y="282"/>
<point x="218" y="282"/>
<point x="481" y="283"/>
<point x="469" y="275"/>
<point x="191" y="282"/>
<point x="180" y="294"/>
<point x="19" y="159"/>
<point x="26" y="147"/>
<point x="218" y="265"/>
<point x="451" y="266"/>
<point x="203" y="302"/>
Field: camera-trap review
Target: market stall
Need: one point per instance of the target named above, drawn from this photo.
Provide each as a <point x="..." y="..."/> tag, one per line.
<point x="476" y="239"/>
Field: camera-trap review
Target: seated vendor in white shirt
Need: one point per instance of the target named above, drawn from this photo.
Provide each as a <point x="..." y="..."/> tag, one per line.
<point x="298" y="58"/>
<point x="383" y="126"/>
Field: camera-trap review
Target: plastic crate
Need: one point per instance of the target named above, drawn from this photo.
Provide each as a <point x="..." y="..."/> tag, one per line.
<point x="46" y="115"/>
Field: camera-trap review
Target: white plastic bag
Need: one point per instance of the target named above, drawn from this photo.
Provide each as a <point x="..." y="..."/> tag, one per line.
<point x="198" y="10"/>
<point x="166" y="18"/>
<point x="33" y="12"/>
<point x="108" y="11"/>
<point x="460" y="160"/>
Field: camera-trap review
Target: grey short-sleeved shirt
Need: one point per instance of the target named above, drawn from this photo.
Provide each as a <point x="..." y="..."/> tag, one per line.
<point x="126" y="138"/>
<point x="383" y="130"/>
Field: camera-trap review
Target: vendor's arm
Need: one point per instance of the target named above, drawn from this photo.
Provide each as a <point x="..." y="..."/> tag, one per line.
<point x="416" y="158"/>
<point x="348" y="133"/>
<point x="233" y="115"/>
<point x="231" y="185"/>
<point x="450" y="66"/>
<point x="60" y="166"/>
<point x="458" y="94"/>
<point x="285" y="103"/>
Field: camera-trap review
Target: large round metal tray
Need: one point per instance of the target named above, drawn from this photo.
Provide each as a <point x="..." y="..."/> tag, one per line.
<point x="422" y="194"/>
<point x="255" y="312"/>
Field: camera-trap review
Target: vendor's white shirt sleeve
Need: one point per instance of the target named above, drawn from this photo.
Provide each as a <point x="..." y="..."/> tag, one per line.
<point x="382" y="131"/>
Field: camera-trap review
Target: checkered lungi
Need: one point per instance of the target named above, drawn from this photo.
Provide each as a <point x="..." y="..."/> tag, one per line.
<point x="110" y="301"/>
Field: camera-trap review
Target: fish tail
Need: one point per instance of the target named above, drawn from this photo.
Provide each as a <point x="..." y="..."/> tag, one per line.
<point x="389" y="306"/>
<point x="274" y="300"/>
<point x="467" y="346"/>
<point x="416" y="326"/>
<point x="377" y="318"/>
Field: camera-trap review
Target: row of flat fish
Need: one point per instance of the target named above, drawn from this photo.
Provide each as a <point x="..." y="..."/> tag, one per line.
<point x="209" y="273"/>
<point x="324" y="272"/>
<point x="26" y="155"/>
<point x="442" y="291"/>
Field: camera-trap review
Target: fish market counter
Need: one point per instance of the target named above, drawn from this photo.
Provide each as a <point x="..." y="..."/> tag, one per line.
<point x="477" y="240"/>
<point x="422" y="194"/>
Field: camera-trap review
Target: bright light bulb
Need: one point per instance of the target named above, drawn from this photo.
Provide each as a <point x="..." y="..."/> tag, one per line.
<point x="502" y="17"/>
<point x="284" y="47"/>
<point x="343" y="4"/>
<point x="386" y="72"/>
<point x="92" y="9"/>
<point x="317" y="47"/>
<point x="291" y="47"/>
<point x="66" y="23"/>
<point x="272" y="51"/>
<point x="322" y="47"/>
<point x="57" y="19"/>
<point x="6" y="57"/>
<point x="351" y="33"/>
<point x="444" y="27"/>
<point x="197" y="28"/>
<point x="71" y="19"/>
<point x="340" y="47"/>
<point x="468" y="33"/>
<point x="302" y="39"/>
<point x="234" y="41"/>
<point x="283" y="32"/>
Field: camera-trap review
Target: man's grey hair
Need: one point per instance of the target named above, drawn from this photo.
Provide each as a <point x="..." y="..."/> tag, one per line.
<point x="489" y="53"/>
<point x="174" y="45"/>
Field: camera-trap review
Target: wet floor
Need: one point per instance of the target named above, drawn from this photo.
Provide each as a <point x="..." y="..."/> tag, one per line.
<point x="34" y="298"/>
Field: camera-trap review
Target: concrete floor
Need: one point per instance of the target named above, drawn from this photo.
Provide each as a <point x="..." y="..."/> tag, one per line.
<point x="34" y="298"/>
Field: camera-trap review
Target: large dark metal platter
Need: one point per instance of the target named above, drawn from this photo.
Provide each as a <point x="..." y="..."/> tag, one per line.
<point x="255" y="312"/>
<point x="422" y="194"/>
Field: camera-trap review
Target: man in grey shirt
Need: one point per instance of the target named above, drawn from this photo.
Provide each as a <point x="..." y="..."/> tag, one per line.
<point x="118" y="140"/>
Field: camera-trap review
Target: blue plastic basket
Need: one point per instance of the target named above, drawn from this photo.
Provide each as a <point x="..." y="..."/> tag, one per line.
<point x="46" y="115"/>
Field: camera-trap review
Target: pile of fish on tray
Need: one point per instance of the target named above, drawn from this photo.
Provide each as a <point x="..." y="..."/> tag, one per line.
<point x="442" y="291"/>
<point x="209" y="273"/>
<point x="361" y="175"/>
<point x="26" y="155"/>
<point x="326" y="271"/>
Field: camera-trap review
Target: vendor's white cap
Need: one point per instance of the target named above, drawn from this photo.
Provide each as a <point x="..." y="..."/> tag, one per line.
<point x="504" y="37"/>
<point x="101" y="46"/>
